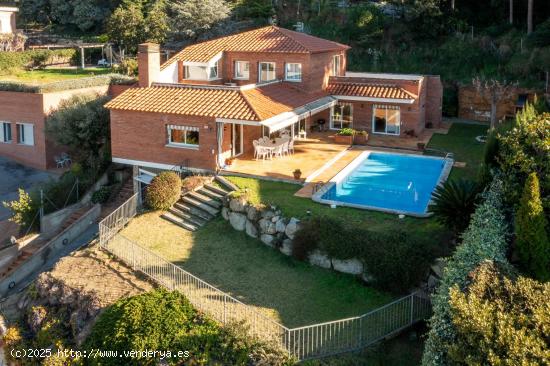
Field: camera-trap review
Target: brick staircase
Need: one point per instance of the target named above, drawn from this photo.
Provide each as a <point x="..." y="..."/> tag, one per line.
<point x="23" y="256"/>
<point x="196" y="208"/>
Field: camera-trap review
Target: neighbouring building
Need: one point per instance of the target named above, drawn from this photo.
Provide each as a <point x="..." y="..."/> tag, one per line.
<point x="23" y="124"/>
<point x="212" y="99"/>
<point x="472" y="105"/>
<point x="7" y="19"/>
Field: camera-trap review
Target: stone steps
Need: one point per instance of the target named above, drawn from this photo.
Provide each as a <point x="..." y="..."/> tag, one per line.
<point x="196" y="208"/>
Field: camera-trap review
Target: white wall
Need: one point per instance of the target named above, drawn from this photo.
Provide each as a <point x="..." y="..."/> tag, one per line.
<point x="169" y="74"/>
<point x="6" y="20"/>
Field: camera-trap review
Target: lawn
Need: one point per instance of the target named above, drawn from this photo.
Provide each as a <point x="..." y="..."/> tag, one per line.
<point x="290" y="291"/>
<point x="461" y="140"/>
<point x="51" y="75"/>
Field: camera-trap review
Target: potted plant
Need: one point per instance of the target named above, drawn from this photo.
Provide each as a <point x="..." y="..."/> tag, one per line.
<point x="361" y="138"/>
<point x="344" y="136"/>
<point x="228" y="161"/>
<point x="297" y="174"/>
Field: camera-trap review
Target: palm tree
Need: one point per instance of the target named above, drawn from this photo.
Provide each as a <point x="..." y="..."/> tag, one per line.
<point x="530" y="16"/>
<point x="511" y="20"/>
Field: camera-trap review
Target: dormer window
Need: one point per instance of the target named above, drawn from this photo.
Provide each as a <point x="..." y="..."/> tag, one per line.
<point x="293" y="72"/>
<point x="203" y="73"/>
<point x="266" y="71"/>
<point x="242" y="70"/>
<point x="336" y="65"/>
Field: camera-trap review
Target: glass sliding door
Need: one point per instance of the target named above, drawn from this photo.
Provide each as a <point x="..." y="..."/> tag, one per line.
<point x="237" y="140"/>
<point x="386" y="119"/>
<point x="341" y="116"/>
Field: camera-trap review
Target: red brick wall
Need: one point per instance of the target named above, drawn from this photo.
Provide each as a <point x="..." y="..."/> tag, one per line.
<point x="143" y="136"/>
<point x="434" y="100"/>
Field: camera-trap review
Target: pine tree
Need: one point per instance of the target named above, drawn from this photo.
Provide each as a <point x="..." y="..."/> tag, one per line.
<point x="531" y="238"/>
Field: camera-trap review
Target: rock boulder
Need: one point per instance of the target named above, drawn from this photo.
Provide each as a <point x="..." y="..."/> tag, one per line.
<point x="292" y="227"/>
<point x="237" y="220"/>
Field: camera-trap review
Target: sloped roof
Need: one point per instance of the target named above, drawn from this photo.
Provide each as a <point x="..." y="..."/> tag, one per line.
<point x="373" y="90"/>
<point x="266" y="39"/>
<point x="254" y="104"/>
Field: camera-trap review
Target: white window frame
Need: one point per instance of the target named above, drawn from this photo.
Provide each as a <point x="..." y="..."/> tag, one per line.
<point x="23" y="137"/>
<point x="206" y="71"/>
<point x="386" y="108"/>
<point x="340" y="121"/>
<point x="247" y="77"/>
<point x="260" y="71"/>
<point x="336" y="65"/>
<point x="3" y="130"/>
<point x="183" y="145"/>
<point x="287" y="71"/>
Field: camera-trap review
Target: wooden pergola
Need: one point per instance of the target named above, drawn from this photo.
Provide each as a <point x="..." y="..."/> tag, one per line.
<point x="81" y="46"/>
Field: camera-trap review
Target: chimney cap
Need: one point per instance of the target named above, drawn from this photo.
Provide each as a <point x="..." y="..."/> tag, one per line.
<point x="149" y="47"/>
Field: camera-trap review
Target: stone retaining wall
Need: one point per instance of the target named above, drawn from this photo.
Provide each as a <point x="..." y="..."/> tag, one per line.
<point x="277" y="231"/>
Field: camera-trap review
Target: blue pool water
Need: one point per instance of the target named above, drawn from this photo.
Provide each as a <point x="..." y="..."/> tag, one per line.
<point x="392" y="182"/>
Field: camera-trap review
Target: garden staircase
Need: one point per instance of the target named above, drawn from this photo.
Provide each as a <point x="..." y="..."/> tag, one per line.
<point x="197" y="207"/>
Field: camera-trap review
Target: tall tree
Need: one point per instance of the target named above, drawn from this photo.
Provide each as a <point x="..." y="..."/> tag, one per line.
<point x="530" y="16"/>
<point x="494" y="91"/>
<point x="191" y="18"/>
<point x="532" y="241"/>
<point x="511" y="8"/>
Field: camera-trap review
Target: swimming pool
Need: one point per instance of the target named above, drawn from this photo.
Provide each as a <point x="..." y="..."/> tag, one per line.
<point x="389" y="182"/>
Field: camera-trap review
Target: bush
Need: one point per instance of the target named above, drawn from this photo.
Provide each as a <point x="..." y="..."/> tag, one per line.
<point x="69" y="84"/>
<point x="500" y="319"/>
<point x="24" y="210"/>
<point x="346" y="132"/>
<point x="532" y="241"/>
<point x="164" y="191"/>
<point x="34" y="58"/>
<point x="128" y="66"/>
<point x="454" y="202"/>
<point x="485" y="239"/>
<point x="102" y="194"/>
<point x="306" y="238"/>
<point x="166" y="321"/>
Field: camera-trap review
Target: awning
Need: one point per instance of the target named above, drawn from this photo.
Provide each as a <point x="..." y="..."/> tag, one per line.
<point x="286" y="119"/>
<point x="144" y="178"/>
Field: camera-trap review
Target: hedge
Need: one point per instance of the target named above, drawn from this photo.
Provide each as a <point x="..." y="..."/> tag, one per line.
<point x="77" y="83"/>
<point x="12" y="60"/>
<point x="484" y="239"/>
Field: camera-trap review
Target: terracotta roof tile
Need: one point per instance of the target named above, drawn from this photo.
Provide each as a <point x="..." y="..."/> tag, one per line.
<point x="266" y="39"/>
<point x="255" y="104"/>
<point x="373" y="90"/>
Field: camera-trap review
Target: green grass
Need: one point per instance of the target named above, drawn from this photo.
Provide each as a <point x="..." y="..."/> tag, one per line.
<point x="52" y="75"/>
<point x="292" y="292"/>
<point x="461" y="141"/>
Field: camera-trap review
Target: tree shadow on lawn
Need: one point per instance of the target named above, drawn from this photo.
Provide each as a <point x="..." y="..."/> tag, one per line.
<point x="294" y="292"/>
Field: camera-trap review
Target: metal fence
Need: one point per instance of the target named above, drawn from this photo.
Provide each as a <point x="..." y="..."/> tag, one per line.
<point x="307" y="342"/>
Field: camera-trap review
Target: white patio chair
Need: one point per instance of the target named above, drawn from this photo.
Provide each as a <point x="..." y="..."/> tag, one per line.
<point x="291" y="146"/>
<point x="59" y="162"/>
<point x="278" y="151"/>
<point x="255" y="144"/>
<point x="66" y="159"/>
<point x="285" y="133"/>
<point x="286" y="150"/>
<point x="263" y="153"/>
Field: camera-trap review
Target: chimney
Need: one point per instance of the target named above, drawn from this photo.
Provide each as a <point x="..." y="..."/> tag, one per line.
<point x="148" y="63"/>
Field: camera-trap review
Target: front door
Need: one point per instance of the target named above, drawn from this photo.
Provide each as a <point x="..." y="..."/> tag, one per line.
<point x="237" y="139"/>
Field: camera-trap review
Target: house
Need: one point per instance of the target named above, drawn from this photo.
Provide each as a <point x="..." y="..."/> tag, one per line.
<point x="212" y="99"/>
<point x="23" y="118"/>
<point x="7" y="19"/>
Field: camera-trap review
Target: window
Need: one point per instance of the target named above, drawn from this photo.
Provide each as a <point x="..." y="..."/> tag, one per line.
<point x="267" y="71"/>
<point x="293" y="72"/>
<point x="386" y="119"/>
<point x="25" y="132"/>
<point x="201" y="72"/>
<point x="242" y="70"/>
<point x="184" y="136"/>
<point x="336" y="65"/>
<point x="5" y="132"/>
<point x="341" y="116"/>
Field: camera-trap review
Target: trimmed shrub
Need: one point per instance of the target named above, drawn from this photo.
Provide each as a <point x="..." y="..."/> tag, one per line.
<point x="485" y="239"/>
<point x="34" y="58"/>
<point x="69" y="84"/>
<point x="500" y="319"/>
<point x="164" y="191"/>
<point x="396" y="260"/>
<point x="532" y="241"/>
<point x="454" y="202"/>
<point x="346" y="132"/>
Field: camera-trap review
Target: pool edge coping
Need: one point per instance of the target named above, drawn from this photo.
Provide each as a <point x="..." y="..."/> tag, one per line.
<point x="443" y="176"/>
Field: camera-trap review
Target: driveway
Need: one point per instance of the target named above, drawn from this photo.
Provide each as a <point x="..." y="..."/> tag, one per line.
<point x="13" y="176"/>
